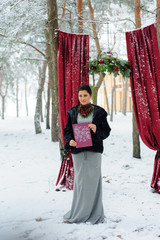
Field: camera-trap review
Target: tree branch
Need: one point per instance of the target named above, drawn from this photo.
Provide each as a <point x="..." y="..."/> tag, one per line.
<point x="100" y="80"/>
<point x="34" y="59"/>
<point x="91" y="11"/>
<point x="63" y="12"/>
<point x="2" y="35"/>
<point x="25" y="43"/>
<point x="30" y="45"/>
<point x="113" y="45"/>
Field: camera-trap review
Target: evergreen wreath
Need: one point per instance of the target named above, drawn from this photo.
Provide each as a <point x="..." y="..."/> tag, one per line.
<point x="109" y="64"/>
<point x="85" y="112"/>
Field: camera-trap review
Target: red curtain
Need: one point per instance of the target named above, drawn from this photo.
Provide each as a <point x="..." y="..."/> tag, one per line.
<point x="72" y="57"/>
<point x="144" y="59"/>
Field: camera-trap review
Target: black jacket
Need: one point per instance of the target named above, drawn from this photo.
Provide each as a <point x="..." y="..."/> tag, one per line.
<point x="102" y="130"/>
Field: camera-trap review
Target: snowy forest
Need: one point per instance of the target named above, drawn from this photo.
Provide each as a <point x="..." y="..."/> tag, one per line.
<point x="31" y="205"/>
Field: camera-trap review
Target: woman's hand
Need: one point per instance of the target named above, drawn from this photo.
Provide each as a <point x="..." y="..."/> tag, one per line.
<point x="92" y="127"/>
<point x="72" y="143"/>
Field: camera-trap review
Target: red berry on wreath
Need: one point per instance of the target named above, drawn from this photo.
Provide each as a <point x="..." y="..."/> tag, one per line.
<point x="101" y="61"/>
<point x="109" y="60"/>
<point x="115" y="69"/>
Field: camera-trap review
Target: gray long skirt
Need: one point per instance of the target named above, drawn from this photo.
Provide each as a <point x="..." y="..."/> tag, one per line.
<point x="87" y="192"/>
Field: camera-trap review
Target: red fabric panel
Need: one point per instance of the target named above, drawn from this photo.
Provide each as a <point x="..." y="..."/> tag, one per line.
<point x="155" y="183"/>
<point x="143" y="55"/>
<point x="72" y="57"/>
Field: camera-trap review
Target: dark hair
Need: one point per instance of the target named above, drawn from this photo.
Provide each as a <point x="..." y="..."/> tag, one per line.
<point x="85" y="87"/>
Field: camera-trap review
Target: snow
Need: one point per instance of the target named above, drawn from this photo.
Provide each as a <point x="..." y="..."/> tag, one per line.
<point x="31" y="209"/>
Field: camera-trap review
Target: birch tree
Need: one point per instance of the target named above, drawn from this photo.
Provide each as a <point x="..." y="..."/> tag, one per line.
<point x="3" y="90"/>
<point x="26" y="94"/>
<point x="37" y="116"/>
<point x="17" y="97"/>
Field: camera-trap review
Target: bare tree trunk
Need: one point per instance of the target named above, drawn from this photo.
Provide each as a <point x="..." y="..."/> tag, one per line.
<point x="135" y="134"/>
<point x="115" y="100"/>
<point x="38" y="107"/>
<point x="41" y="111"/>
<point x="138" y="13"/>
<point x="94" y="96"/>
<point x="112" y="100"/>
<point x="3" y="106"/>
<point x="45" y="103"/>
<point x="80" y="15"/>
<point x="111" y="116"/>
<point x="158" y="22"/>
<point x="95" y="88"/>
<point x="3" y="90"/>
<point x="123" y="90"/>
<point x="106" y="96"/>
<point x="26" y="102"/>
<point x="70" y="22"/>
<point x="130" y="103"/>
<point x="52" y="26"/>
<point x="48" y="104"/>
<point x="37" y="116"/>
<point x="124" y="97"/>
<point x="108" y="33"/>
<point x="17" y="98"/>
<point x="95" y="34"/>
<point x="126" y="91"/>
<point x="50" y="77"/>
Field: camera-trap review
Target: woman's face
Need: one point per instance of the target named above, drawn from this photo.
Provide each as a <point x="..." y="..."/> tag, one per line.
<point x="84" y="97"/>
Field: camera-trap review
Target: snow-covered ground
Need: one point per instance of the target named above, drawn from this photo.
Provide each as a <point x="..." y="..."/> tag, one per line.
<point x="31" y="209"/>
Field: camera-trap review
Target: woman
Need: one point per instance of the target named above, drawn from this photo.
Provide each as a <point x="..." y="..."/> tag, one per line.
<point x="87" y="192"/>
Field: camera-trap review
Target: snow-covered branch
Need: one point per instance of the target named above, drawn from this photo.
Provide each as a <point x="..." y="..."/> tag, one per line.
<point x="25" y="43"/>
